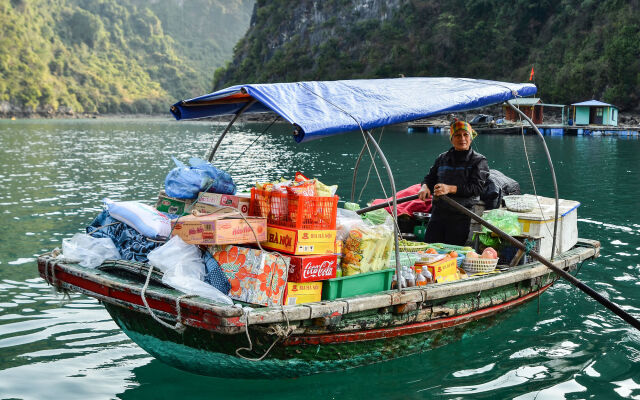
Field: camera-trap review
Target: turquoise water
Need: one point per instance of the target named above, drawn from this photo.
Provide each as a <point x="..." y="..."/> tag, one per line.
<point x="54" y="175"/>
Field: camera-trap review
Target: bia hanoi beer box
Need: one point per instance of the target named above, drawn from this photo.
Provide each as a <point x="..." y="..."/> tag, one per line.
<point x="300" y="241"/>
<point x="302" y="292"/>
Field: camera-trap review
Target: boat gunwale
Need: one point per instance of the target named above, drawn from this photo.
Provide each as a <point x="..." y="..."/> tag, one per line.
<point x="227" y="319"/>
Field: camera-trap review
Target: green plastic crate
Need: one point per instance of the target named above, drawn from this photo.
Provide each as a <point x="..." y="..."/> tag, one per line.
<point x="347" y="286"/>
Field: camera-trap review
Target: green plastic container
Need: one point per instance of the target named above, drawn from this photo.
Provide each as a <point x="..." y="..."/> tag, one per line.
<point x="347" y="286"/>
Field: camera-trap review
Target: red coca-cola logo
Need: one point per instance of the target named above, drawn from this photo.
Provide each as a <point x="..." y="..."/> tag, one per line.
<point x="324" y="270"/>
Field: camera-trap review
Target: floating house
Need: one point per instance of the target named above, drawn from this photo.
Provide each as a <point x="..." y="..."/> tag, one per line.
<point x="531" y="106"/>
<point x="594" y="112"/>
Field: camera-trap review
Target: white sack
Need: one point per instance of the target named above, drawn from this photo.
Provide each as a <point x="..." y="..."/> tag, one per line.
<point x="141" y="217"/>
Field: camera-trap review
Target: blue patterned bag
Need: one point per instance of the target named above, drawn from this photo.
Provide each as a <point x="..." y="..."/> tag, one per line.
<point x="214" y="275"/>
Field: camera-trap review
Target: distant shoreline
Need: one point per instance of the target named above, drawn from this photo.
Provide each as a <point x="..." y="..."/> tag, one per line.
<point x="633" y="118"/>
<point x="263" y="117"/>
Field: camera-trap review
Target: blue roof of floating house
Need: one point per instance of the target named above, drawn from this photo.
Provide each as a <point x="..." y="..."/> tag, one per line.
<point x="593" y="103"/>
<point x="322" y="108"/>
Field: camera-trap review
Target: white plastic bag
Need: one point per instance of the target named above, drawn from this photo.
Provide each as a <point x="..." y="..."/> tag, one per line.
<point x="184" y="269"/>
<point x="141" y="217"/>
<point x="182" y="278"/>
<point x="175" y="252"/>
<point x="89" y="251"/>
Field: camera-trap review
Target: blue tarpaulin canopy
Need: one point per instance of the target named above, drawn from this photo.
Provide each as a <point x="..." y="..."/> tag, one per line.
<point x="325" y="108"/>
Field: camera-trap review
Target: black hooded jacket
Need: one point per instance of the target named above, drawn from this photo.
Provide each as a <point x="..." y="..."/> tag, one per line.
<point x="468" y="170"/>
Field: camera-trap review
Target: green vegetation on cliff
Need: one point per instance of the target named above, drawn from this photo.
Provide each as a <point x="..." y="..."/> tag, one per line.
<point x="580" y="48"/>
<point x="110" y="56"/>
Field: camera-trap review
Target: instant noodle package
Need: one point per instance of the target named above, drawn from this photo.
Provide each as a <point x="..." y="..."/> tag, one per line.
<point x="366" y="247"/>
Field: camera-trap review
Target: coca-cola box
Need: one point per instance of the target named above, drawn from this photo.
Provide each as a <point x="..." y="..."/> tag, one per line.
<point x="312" y="268"/>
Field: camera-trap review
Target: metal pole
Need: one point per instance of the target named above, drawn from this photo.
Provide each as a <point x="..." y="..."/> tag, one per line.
<point x="567" y="276"/>
<point x="553" y="176"/>
<point x="386" y="204"/>
<point x="235" y="117"/>
<point x="355" y="174"/>
<point x="395" y="206"/>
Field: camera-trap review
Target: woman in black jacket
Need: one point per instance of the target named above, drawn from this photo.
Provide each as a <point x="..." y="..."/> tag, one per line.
<point x="460" y="173"/>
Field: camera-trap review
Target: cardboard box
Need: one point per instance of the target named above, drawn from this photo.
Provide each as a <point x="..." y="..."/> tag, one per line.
<point x="219" y="229"/>
<point x="444" y="270"/>
<point x="300" y="241"/>
<point x="256" y="277"/>
<point x="299" y="293"/>
<point x="172" y="205"/>
<point x="206" y="209"/>
<point x="240" y="201"/>
<point x="312" y="268"/>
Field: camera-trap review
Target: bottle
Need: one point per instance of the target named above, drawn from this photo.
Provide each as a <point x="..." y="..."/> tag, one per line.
<point x="421" y="280"/>
<point x="427" y="274"/>
<point x="403" y="282"/>
<point x="410" y="278"/>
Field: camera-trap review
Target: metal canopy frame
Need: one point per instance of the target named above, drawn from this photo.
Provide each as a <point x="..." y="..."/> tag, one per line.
<point x="369" y="139"/>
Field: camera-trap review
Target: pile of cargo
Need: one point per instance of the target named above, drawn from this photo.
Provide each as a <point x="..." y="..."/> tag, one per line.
<point x="282" y="243"/>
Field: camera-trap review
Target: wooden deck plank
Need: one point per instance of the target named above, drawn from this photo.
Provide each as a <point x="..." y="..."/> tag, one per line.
<point x="230" y="316"/>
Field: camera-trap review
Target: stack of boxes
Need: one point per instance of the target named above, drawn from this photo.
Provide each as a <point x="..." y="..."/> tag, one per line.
<point x="304" y="228"/>
<point x="300" y="230"/>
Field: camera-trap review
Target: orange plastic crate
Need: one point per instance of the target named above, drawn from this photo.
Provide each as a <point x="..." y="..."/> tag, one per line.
<point x="294" y="211"/>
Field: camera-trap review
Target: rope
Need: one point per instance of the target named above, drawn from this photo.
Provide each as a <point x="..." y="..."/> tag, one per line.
<point x="188" y="210"/>
<point x="366" y="144"/>
<point x="273" y="330"/>
<point x="252" y="143"/>
<point x="50" y="262"/>
<point x="366" y="141"/>
<point x="179" y="326"/>
<point x="533" y="182"/>
<point x="529" y="246"/>
<point x="366" y="182"/>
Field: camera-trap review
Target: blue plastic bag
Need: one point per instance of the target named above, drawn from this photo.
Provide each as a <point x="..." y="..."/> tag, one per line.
<point x="222" y="181"/>
<point x="185" y="182"/>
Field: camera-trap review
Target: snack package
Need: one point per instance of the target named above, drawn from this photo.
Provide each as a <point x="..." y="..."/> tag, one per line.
<point x="367" y="247"/>
<point x="323" y="190"/>
<point x="303" y="188"/>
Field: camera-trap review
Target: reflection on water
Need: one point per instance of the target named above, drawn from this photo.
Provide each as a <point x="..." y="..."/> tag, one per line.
<point x="54" y="175"/>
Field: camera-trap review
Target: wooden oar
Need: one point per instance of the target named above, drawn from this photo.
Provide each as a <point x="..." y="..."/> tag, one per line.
<point x="387" y="204"/>
<point x="573" y="280"/>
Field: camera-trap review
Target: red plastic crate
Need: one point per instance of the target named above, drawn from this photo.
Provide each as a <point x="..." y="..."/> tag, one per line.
<point x="294" y="211"/>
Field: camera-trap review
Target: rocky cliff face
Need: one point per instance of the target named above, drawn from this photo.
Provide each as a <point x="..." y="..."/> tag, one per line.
<point x="317" y="21"/>
<point x="283" y="38"/>
<point x="580" y="49"/>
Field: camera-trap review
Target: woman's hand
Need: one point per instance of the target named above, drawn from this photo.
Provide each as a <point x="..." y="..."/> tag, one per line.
<point x="442" y="189"/>
<point x="424" y="193"/>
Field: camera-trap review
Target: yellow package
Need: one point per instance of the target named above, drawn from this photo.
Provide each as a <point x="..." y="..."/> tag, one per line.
<point x="323" y="190"/>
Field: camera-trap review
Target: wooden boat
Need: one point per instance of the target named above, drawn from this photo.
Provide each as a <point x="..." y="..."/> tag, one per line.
<point x="239" y="341"/>
<point x="306" y="338"/>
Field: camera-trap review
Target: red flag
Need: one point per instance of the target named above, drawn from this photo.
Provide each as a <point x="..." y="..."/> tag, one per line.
<point x="531" y="75"/>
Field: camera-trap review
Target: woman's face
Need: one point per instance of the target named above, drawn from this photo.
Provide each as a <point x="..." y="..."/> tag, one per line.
<point x="461" y="140"/>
